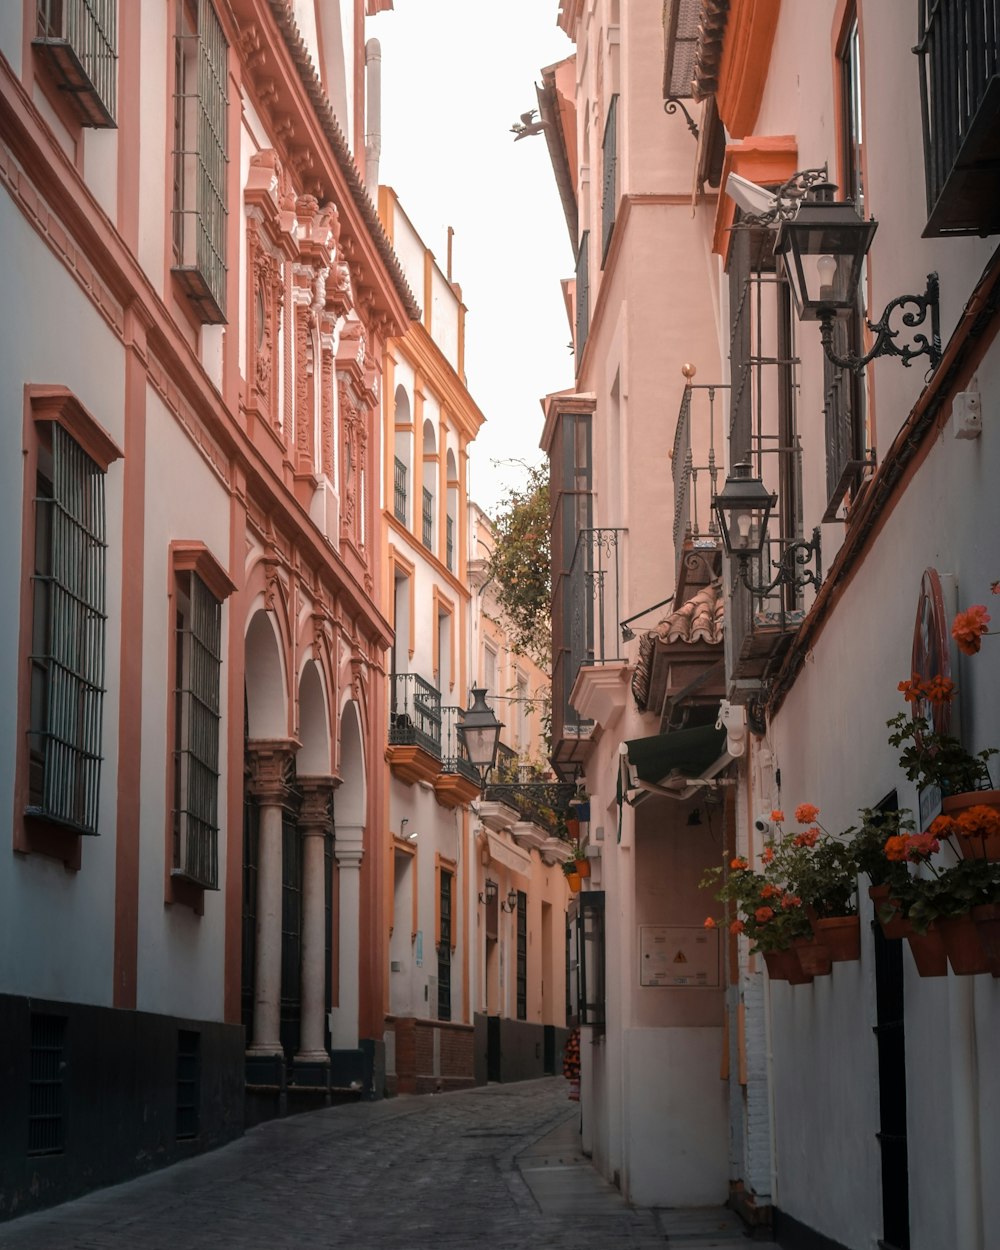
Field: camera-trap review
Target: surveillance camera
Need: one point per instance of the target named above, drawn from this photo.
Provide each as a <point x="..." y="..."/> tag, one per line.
<point x="762" y="824"/>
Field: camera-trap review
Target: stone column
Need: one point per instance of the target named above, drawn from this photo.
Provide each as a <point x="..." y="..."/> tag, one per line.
<point x="315" y="824"/>
<point x="349" y="850"/>
<point x="271" y="766"/>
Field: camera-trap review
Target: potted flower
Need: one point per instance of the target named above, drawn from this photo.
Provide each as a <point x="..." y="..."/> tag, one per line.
<point x="867" y="851"/>
<point x="821" y="870"/>
<point x="768" y="913"/>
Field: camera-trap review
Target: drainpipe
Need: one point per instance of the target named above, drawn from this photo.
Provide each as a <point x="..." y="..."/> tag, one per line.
<point x="373" y="128"/>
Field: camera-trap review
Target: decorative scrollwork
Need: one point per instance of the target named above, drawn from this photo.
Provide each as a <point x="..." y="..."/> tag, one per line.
<point x="796" y="555"/>
<point x="672" y="104"/>
<point x="787" y="199"/>
<point x="885" y="337"/>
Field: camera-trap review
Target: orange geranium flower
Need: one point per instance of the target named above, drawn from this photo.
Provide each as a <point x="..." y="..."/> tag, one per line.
<point x="939" y="689"/>
<point x="770" y="891"/>
<point x="806" y="813"/>
<point x="978" y="821"/>
<point x="895" y="848"/>
<point x="739" y="863"/>
<point x="922" y="846"/>
<point x="737" y="926"/>
<point x="911" y="689"/>
<point x="808" y="837"/>
<point x="768" y="855"/>
<point x="763" y="914"/>
<point x="777" y="815"/>
<point x="944" y="826"/>
<point x="969" y="626"/>
<point x="709" y="923"/>
<point x="790" y="901"/>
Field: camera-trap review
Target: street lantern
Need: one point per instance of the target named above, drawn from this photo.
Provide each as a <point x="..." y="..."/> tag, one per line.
<point x="479" y="731"/>
<point x="743" y="509"/>
<point x="822" y="249"/>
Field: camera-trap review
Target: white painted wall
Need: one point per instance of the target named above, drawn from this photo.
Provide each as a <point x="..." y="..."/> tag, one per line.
<point x="181" y="955"/>
<point x="56" y="927"/>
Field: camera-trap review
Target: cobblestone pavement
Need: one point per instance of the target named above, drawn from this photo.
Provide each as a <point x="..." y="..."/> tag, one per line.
<point x="496" y="1166"/>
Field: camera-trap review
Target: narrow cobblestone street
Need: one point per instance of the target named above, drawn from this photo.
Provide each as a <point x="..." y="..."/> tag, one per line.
<point x="496" y="1166"/>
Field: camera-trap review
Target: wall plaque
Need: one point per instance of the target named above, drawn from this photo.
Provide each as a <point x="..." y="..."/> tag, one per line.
<point x="680" y="957"/>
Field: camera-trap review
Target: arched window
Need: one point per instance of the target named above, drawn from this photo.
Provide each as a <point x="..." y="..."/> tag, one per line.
<point x="402" y="468"/>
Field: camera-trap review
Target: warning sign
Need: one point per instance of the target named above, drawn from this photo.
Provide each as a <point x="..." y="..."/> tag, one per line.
<point x="678" y="957"/>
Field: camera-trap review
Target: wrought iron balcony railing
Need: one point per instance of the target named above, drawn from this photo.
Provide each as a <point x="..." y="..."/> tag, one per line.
<point x="695" y="470"/>
<point x="959" y="50"/>
<point x="399" y="490"/>
<point x="582" y="296"/>
<point x="415" y="719"/>
<point x="454" y="757"/>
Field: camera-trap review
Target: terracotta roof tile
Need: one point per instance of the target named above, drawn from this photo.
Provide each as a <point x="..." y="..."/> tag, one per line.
<point x="700" y="619"/>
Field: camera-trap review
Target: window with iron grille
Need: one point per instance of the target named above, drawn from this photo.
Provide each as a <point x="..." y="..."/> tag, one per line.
<point x="449" y="543"/>
<point x="843" y="390"/>
<point x="45" y="1085"/>
<point x="444" y="946"/>
<point x="78" y="39"/>
<point x="522" y="955"/>
<point x="427" y="519"/>
<point x="609" y="194"/>
<point x="201" y="119"/>
<point x="591" y="957"/>
<point x="198" y="658"/>
<point x="959" y="49"/>
<point x="188" y="1123"/>
<point x="399" y="491"/>
<point x="582" y="296"/>
<point x="68" y="628"/>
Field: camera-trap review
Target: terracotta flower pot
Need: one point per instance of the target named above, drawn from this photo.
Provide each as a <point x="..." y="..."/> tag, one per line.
<point x="813" y="956"/>
<point x="897" y="926"/>
<point x="573" y="828"/>
<point x="573" y="881"/>
<point x="582" y="868"/>
<point x="965" y="950"/>
<point x="987" y="846"/>
<point x="785" y="966"/>
<point x="987" y="921"/>
<point x="841" y="935"/>
<point x="928" y="952"/>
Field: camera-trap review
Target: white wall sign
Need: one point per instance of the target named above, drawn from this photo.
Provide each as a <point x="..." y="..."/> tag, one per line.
<point x="678" y="956"/>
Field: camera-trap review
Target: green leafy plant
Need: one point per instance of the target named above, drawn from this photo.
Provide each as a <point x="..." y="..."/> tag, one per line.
<point x="770" y="915"/>
<point x="520" y="564"/>
<point x="930" y="758"/>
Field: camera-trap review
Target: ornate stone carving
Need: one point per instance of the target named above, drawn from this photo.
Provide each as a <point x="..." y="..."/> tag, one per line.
<point x="272" y="770"/>
<point x="316" y="810"/>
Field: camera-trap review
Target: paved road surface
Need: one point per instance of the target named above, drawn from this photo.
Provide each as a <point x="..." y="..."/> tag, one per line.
<point x="497" y="1167"/>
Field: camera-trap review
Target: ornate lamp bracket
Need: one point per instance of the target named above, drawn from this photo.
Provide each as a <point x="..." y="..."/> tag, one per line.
<point x="885" y="337"/>
<point x="672" y="104"/>
<point x="793" y="559"/>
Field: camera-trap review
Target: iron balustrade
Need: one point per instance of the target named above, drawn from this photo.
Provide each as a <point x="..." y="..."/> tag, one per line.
<point x="454" y="756"/>
<point x="959" y="50"/>
<point x="582" y="296"/>
<point x="427" y="520"/>
<point x="609" y="193"/>
<point x="695" y="483"/>
<point x="399" y="491"/>
<point x="415" y="719"/>
<point x="79" y="39"/>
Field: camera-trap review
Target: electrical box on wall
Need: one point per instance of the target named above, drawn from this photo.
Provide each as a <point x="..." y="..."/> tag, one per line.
<point x="678" y="957"/>
<point x="967" y="414"/>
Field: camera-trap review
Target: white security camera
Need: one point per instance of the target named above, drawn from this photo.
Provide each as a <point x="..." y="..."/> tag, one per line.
<point x="762" y="824"/>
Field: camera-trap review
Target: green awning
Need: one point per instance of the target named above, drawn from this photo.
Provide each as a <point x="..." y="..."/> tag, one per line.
<point x="684" y="753"/>
<point x="651" y="765"/>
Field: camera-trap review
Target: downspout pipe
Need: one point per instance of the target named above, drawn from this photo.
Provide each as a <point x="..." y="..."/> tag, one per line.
<point x="373" y="111"/>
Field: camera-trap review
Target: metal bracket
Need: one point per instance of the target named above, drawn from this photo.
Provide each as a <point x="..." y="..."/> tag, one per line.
<point x="795" y="555"/>
<point x="672" y="104"/>
<point x="885" y="341"/>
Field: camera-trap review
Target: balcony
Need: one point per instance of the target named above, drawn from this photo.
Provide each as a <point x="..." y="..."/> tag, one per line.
<point x="77" y="40"/>
<point x="539" y="806"/>
<point x="589" y="666"/>
<point x="959" y="50"/>
<point x="680" y="664"/>
<point x="414" y="750"/>
<point x="458" y="782"/>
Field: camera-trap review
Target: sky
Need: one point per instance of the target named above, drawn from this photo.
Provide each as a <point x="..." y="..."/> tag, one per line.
<point x="456" y="75"/>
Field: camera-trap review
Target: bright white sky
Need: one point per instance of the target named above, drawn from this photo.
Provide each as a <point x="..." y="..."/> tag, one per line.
<point x="456" y="75"/>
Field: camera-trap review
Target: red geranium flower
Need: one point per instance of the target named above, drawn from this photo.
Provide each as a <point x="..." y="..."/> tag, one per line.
<point x="777" y="815"/>
<point x="968" y="628"/>
<point x="737" y="926"/>
<point x="739" y="863"/>
<point x="806" y="813"/>
<point x="763" y="914"/>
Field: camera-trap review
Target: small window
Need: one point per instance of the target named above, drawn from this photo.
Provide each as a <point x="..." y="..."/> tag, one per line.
<point x="45" y="1087"/>
<point x="200" y="165"/>
<point x="188" y="1123"/>
<point x="399" y="491"/>
<point x="198" y="661"/>
<point x="68" y="629"/>
<point x="78" y="40"/>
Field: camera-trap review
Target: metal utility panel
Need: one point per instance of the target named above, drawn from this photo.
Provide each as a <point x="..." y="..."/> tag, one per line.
<point x="681" y="957"/>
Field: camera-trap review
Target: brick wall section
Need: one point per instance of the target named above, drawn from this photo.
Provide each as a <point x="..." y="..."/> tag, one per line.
<point x="416" y="1070"/>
